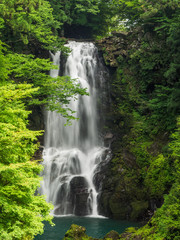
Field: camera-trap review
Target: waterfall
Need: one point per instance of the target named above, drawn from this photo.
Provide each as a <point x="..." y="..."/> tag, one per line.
<point x="72" y="153"/>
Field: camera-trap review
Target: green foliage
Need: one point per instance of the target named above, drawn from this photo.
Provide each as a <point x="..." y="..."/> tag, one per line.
<point x="159" y="176"/>
<point x="151" y="72"/>
<point x="147" y="99"/>
<point x="128" y="10"/>
<point x="14" y="136"/>
<point x="53" y="93"/>
<point x="76" y="232"/>
<point x="24" y="79"/>
<point x="74" y="12"/>
<point x="21" y="211"/>
<point x="165" y="222"/>
<point x="95" y="16"/>
<point x="168" y="216"/>
<point x="3" y="64"/>
<point x="163" y="170"/>
<point x="28" y="21"/>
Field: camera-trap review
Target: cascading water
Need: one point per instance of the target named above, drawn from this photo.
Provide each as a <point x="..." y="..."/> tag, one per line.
<point x="72" y="153"/>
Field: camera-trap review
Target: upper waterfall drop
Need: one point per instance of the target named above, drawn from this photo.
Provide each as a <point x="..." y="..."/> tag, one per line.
<point x="72" y="153"/>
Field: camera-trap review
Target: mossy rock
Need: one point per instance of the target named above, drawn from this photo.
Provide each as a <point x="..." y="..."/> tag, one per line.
<point x="120" y="210"/>
<point x="77" y="233"/>
<point x="103" y="207"/>
<point x="116" y="146"/>
<point x="113" y="235"/>
<point x="138" y="209"/>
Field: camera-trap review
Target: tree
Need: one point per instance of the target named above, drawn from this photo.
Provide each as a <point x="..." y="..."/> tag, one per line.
<point x="28" y="21"/>
<point x="165" y="222"/>
<point x="53" y="93"/>
<point x="21" y="211"/>
<point x="87" y="18"/>
<point x="23" y="78"/>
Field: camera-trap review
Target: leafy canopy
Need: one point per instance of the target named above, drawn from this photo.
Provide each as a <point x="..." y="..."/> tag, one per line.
<point x="28" y="21"/>
<point x="21" y="211"/>
<point x="24" y="79"/>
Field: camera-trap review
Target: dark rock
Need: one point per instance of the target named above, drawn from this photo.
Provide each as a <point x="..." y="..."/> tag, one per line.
<point x="129" y="159"/>
<point x="38" y="154"/>
<point x="61" y="193"/>
<point x="108" y="139"/>
<point x="53" y="172"/>
<point x="81" y="204"/>
<point x="77" y="199"/>
<point x="63" y="201"/>
<point x="78" y="184"/>
<point x="101" y="169"/>
<point x="108" y="136"/>
<point x="119" y="207"/>
<point x="128" y="236"/>
<point x="103" y="203"/>
<point x="112" y="235"/>
<point x="79" y="195"/>
<point x="120" y="34"/>
<point x="113" y="47"/>
<point x="138" y="209"/>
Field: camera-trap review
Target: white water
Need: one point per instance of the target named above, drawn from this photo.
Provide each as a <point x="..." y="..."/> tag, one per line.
<point x="72" y="153"/>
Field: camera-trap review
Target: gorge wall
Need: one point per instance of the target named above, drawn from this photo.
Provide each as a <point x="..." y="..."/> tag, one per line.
<point x="126" y="192"/>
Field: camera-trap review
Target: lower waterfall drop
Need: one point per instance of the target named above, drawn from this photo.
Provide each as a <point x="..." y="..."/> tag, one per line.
<point x="72" y="153"/>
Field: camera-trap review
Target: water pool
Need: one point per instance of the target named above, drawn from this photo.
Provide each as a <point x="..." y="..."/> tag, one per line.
<point x="95" y="227"/>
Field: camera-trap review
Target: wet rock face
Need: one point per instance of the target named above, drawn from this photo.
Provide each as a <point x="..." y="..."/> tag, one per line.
<point x="81" y="204"/>
<point x="78" y="184"/>
<point x="79" y="195"/>
<point x="99" y="179"/>
<point x="76" y="200"/>
<point x="101" y="169"/>
<point x="61" y="198"/>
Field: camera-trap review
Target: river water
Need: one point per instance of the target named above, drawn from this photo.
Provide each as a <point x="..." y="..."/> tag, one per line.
<point x="95" y="227"/>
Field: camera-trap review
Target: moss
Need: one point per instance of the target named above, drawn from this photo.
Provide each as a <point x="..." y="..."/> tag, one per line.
<point x="138" y="209"/>
<point x="77" y="233"/>
<point x="112" y="235"/>
<point x="119" y="209"/>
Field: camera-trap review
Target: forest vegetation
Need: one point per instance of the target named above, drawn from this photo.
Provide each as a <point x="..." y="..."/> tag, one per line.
<point x="146" y="98"/>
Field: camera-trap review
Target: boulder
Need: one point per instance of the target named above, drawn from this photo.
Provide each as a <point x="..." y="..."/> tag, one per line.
<point x="112" y="235"/>
<point x="79" y="195"/>
<point x="77" y="233"/>
<point x="78" y="184"/>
